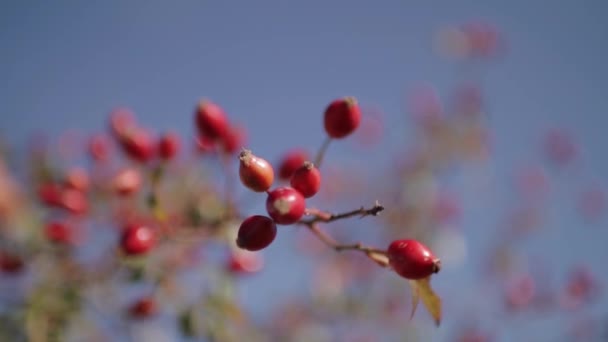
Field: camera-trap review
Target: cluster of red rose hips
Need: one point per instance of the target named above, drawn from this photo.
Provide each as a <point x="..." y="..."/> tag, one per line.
<point x="286" y="205"/>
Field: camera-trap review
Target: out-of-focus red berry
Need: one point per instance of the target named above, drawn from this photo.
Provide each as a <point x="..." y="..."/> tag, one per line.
<point x="520" y="293"/>
<point x="99" y="148"/>
<point x="168" y="146"/>
<point x="10" y="263"/>
<point x="412" y="260"/>
<point x="211" y="120"/>
<point x="243" y="262"/>
<point x="128" y="181"/>
<point x="50" y="194"/>
<point x="138" y="145"/>
<point x="342" y="117"/>
<point x="291" y="161"/>
<point x="74" y="201"/>
<point x="234" y="139"/>
<point x="285" y="205"/>
<point x="143" y="308"/>
<point x="137" y="239"/>
<point x="59" y="233"/>
<point x="122" y="120"/>
<point x="77" y="179"/>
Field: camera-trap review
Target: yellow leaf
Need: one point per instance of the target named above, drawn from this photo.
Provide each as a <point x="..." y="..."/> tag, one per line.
<point x="421" y="290"/>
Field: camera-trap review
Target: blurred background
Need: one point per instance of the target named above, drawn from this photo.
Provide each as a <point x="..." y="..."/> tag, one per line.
<point x="518" y="86"/>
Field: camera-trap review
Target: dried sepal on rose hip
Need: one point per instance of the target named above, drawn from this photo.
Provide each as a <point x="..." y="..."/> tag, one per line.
<point x="256" y="232"/>
<point x="137" y="239"/>
<point x="306" y="179"/>
<point x="342" y="117"/>
<point x="412" y="260"/>
<point x="211" y="120"/>
<point x="285" y="205"/>
<point x="255" y="172"/>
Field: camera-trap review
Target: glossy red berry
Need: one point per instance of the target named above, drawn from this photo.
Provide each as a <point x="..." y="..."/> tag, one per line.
<point x="306" y="179"/>
<point x="168" y="146"/>
<point x="285" y="205"/>
<point x="291" y="161"/>
<point x="143" y="308"/>
<point x="211" y="120"/>
<point x="137" y="239"/>
<point x="256" y="232"/>
<point x="342" y="117"/>
<point x="255" y="172"/>
<point x="412" y="260"/>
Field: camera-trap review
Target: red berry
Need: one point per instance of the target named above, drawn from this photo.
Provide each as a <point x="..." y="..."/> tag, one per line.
<point x="122" y="120"/>
<point x="127" y="182"/>
<point x="342" y="117"/>
<point x="143" y="308"/>
<point x="204" y="145"/>
<point x="77" y="179"/>
<point x="285" y="205"/>
<point x="99" y="147"/>
<point x="234" y="139"/>
<point x="211" y="120"/>
<point x="74" y="201"/>
<point x="412" y="260"/>
<point x="59" y="233"/>
<point x="243" y="261"/>
<point x="256" y="232"/>
<point x="306" y="179"/>
<point x="291" y="161"/>
<point x="255" y="173"/>
<point x="137" y="239"/>
<point x="50" y="194"/>
<point x="168" y="146"/>
<point x="138" y="144"/>
<point x="10" y="263"/>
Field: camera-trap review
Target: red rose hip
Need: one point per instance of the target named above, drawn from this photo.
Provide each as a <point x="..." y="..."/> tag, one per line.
<point x="255" y="173"/>
<point x="412" y="260"/>
<point x="306" y="179"/>
<point x="143" y="308"/>
<point x="211" y="120"/>
<point x="342" y="117"/>
<point x="137" y="239"/>
<point x="291" y="161"/>
<point x="168" y="146"/>
<point x="285" y="205"/>
<point x="256" y="232"/>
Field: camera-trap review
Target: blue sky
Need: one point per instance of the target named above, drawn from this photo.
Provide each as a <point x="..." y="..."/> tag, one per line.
<point x="275" y="65"/>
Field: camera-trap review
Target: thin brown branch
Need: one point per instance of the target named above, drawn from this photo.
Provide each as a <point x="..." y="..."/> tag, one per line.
<point x="322" y="216"/>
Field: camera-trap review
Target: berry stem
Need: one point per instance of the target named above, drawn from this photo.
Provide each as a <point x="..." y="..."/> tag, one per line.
<point x="321" y="152"/>
<point x="373" y="253"/>
<point x="322" y="216"/>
